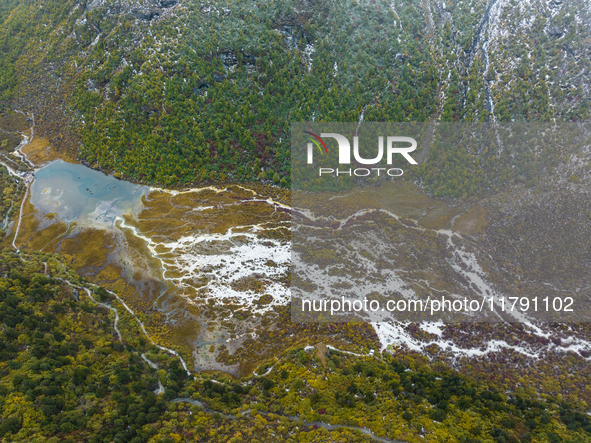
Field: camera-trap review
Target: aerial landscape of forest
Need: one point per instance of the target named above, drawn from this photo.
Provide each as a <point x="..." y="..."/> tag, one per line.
<point x="153" y="203"/>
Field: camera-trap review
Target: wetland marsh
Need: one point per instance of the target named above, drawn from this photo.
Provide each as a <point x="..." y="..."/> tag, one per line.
<point x="188" y="262"/>
<point x="207" y="270"/>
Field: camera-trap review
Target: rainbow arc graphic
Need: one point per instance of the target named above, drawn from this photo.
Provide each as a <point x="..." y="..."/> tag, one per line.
<point x="315" y="140"/>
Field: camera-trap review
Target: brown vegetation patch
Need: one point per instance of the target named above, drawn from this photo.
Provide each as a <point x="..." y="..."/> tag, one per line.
<point x="404" y="199"/>
<point x="40" y="151"/>
<point x="251" y="283"/>
<point x="89" y="248"/>
<point x="109" y="274"/>
<point x="171" y="217"/>
<point x="10" y="126"/>
<point x="472" y="222"/>
<point x="14" y="123"/>
<point x="49" y="238"/>
<point x="8" y="141"/>
<point x="29" y="225"/>
<point x="321" y="351"/>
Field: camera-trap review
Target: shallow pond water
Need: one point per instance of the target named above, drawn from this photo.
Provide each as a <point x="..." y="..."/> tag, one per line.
<point x="75" y="193"/>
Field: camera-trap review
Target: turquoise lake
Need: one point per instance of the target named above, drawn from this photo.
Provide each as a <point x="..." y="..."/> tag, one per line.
<point x="76" y="193"/>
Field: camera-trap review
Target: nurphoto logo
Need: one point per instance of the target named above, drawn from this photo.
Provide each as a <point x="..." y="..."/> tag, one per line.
<point x="392" y="147"/>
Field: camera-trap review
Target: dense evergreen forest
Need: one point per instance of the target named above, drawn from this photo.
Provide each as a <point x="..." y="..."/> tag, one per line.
<point x="73" y="371"/>
<point x="176" y="93"/>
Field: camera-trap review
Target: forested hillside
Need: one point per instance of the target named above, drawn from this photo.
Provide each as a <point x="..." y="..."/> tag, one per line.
<point x="206" y="90"/>
<point x="76" y="367"/>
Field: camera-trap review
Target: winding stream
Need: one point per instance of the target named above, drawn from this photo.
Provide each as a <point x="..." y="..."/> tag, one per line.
<point x="316" y="423"/>
<point x="160" y="389"/>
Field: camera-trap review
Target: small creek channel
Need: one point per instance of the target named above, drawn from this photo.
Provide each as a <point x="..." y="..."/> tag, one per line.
<point x="316" y="423"/>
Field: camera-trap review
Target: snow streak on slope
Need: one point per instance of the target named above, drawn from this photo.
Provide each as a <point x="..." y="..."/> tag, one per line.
<point x="396" y="334"/>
